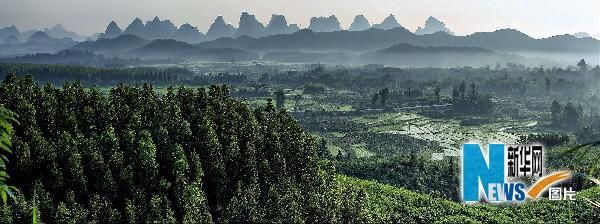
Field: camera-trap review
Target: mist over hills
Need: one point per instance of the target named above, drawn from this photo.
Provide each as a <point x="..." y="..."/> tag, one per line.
<point x="113" y="47"/>
<point x="248" y="25"/>
<point x="324" y="35"/>
<point x="72" y="57"/>
<point x="8" y="32"/>
<point x="503" y="40"/>
<point x="58" y="31"/>
<point x="11" y="40"/>
<point x="407" y="55"/>
<point x="174" y="49"/>
<point x="131" y="46"/>
<point x="43" y="38"/>
<point x="38" y="42"/>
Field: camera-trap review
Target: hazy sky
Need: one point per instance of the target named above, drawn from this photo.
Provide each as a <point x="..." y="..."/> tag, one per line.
<point x="538" y="18"/>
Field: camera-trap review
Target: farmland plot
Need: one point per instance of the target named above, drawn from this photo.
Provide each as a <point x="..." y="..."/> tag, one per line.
<point x="449" y="134"/>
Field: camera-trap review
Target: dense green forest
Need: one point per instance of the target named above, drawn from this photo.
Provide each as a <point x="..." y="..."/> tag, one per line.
<point x="200" y="156"/>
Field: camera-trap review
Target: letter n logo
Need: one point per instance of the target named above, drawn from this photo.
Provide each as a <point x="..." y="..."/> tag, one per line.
<point x="479" y="170"/>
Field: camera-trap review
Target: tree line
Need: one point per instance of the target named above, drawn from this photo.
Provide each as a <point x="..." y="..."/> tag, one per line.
<point x="59" y="74"/>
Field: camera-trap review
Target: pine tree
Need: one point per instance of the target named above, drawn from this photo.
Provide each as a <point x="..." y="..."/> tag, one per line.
<point x="437" y="93"/>
<point x="43" y="201"/>
<point x="213" y="166"/>
<point x="99" y="174"/>
<point x="322" y="150"/>
<point x="282" y="202"/>
<point x="374" y="100"/>
<point x="69" y="211"/>
<point x="159" y="210"/>
<point x="63" y="214"/>
<point x="280" y="99"/>
<point x="22" y="209"/>
<point x="75" y="178"/>
<point x="146" y="164"/>
<point x="244" y="206"/>
<point x="180" y="172"/>
<point x="340" y="155"/>
<point x="462" y="88"/>
<point x="130" y="213"/>
<point x="582" y="65"/>
<point x="195" y="205"/>
<point x="384" y="95"/>
<point x="555" y="111"/>
<point x="455" y="94"/>
<point x="102" y="211"/>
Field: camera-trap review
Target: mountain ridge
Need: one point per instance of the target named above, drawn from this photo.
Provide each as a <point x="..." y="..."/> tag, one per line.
<point x="503" y="40"/>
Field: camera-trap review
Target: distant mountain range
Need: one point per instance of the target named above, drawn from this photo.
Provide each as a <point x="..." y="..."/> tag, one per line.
<point x="38" y="42"/>
<point x="58" y="31"/>
<point x="113" y="47"/>
<point x="11" y="40"/>
<point x="157" y="29"/>
<point x="132" y="46"/>
<point x="501" y="40"/>
<point x="251" y="38"/>
<point x="10" y="31"/>
<point x="180" y="50"/>
<point x="248" y="26"/>
<point x="302" y="45"/>
<point x="406" y="55"/>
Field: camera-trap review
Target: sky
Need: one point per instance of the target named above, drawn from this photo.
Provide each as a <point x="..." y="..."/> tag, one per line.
<point x="537" y="18"/>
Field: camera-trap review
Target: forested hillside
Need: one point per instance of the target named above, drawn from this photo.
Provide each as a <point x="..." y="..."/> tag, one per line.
<point x="133" y="156"/>
<point x="199" y="156"/>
